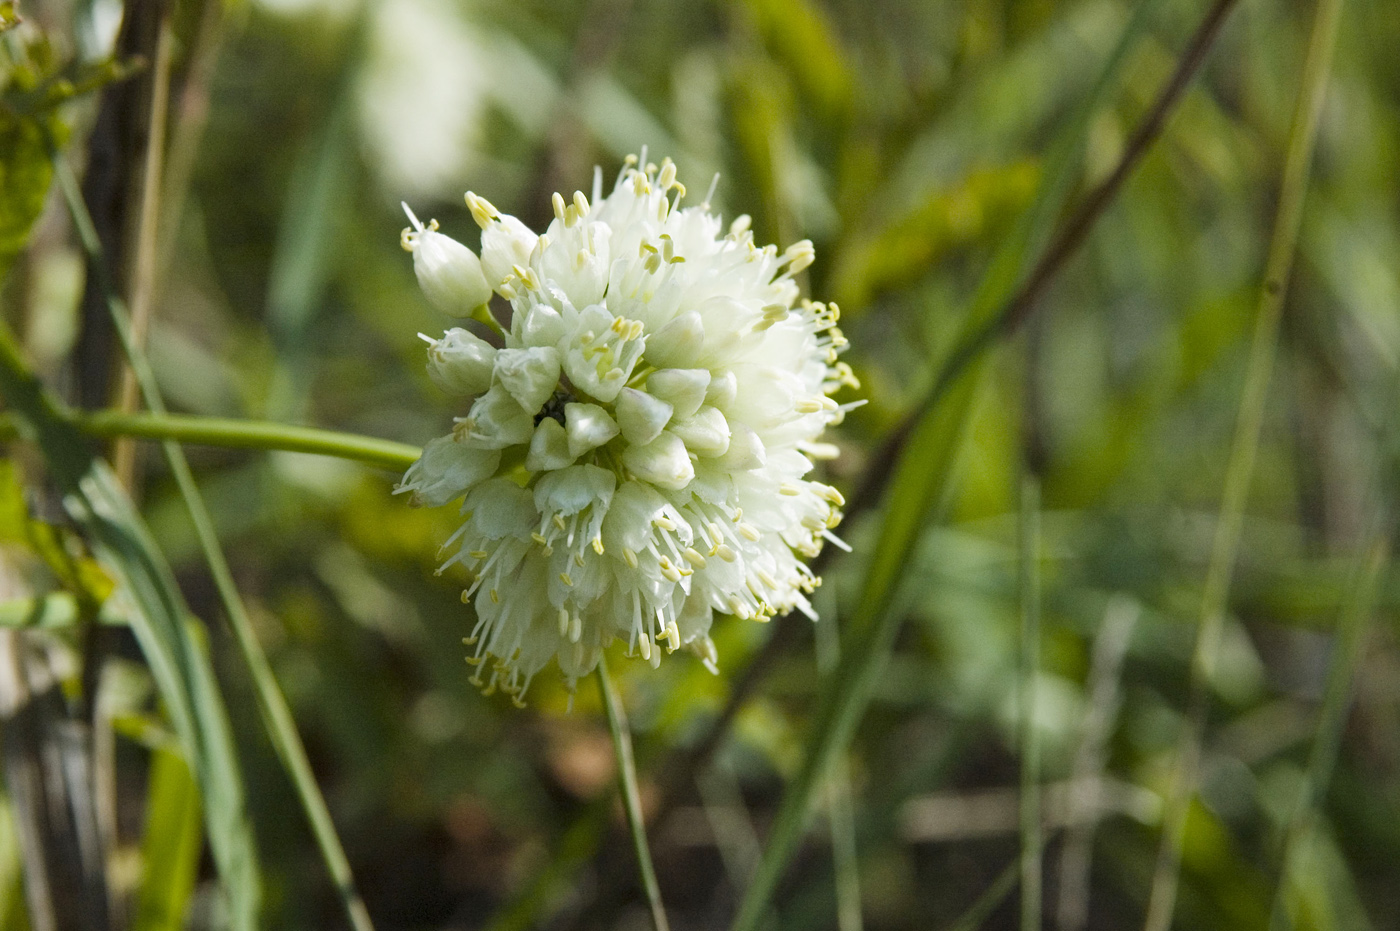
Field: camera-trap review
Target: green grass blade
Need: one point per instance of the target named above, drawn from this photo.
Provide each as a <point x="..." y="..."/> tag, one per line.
<point x="171" y="845"/>
<point x="1341" y="678"/>
<point x="157" y="615"/>
<point x="277" y="716"/>
<point x="922" y="480"/>
<point x="1030" y="739"/>
<point x="1240" y="471"/>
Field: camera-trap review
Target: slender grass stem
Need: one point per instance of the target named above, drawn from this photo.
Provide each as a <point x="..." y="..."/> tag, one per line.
<point x="991" y="898"/>
<point x="1341" y="678"/>
<point x="238" y="434"/>
<point x="840" y="809"/>
<point x="1293" y="190"/>
<point x="142" y="296"/>
<point x="277" y="715"/>
<point x="631" y="796"/>
<point x="1029" y="736"/>
<point x="1012" y="314"/>
<point x="1105" y="671"/>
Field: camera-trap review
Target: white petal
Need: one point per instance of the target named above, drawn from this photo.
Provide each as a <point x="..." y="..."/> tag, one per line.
<point x="505" y="243"/>
<point x="662" y="462"/>
<point x="449" y="273"/>
<point x="460" y="363"/>
<point x="570" y="490"/>
<point x="588" y="426"/>
<point x="683" y="389"/>
<point x="447" y="470"/>
<point x="722" y="390"/>
<point x="530" y="375"/>
<point x="678" y="342"/>
<point x="641" y="416"/>
<point x="745" y="450"/>
<point x="497" y="420"/>
<point x="549" y="447"/>
<point x="705" y="434"/>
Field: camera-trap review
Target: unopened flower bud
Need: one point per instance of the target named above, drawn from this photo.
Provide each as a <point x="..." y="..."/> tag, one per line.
<point x="460" y="363"/>
<point x="448" y="272"/>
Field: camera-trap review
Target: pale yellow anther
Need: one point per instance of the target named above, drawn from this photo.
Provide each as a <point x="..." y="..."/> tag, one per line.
<point x="629" y="557"/>
<point x="665" y="523"/>
<point x="581" y="204"/>
<point x="478" y="554"/>
<point x="565" y="578"/>
<point x="692" y="556"/>
<point x="495" y="597"/>
<point x="563" y="623"/>
<point x="539" y="538"/>
<point x="789" y="489"/>
<point x="644" y="644"/>
<point x="559" y="522"/>
<point x="810" y="405"/>
<point x="556" y="200"/>
<point x="598" y="545"/>
<point x="482" y="210"/>
<point x="576" y="629"/>
<point x="748" y="532"/>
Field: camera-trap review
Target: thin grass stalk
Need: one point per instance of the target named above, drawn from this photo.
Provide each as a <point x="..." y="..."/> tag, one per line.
<point x="1105" y="670"/>
<point x="990" y="900"/>
<point x="845" y="855"/>
<point x="1292" y="193"/>
<point x="237" y="434"/>
<point x="631" y="795"/>
<point x="143" y="278"/>
<point x="1012" y="313"/>
<point x="1029" y="735"/>
<point x="277" y="716"/>
<point x="1341" y="680"/>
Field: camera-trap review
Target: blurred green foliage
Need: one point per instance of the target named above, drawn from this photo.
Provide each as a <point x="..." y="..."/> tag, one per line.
<point x="907" y="140"/>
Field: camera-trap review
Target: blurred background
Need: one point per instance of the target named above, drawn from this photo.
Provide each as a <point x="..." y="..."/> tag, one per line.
<point x="905" y="139"/>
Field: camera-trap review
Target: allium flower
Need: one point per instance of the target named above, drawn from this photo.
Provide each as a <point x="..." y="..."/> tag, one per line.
<point x="635" y="456"/>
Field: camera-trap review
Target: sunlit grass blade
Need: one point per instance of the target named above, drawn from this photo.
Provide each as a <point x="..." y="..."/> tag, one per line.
<point x="919" y="487"/>
<point x="1029" y="734"/>
<point x="157" y="615"/>
<point x="170" y="845"/>
<point x="277" y="716"/>
<point x="1347" y="652"/>
<point x="1240" y="470"/>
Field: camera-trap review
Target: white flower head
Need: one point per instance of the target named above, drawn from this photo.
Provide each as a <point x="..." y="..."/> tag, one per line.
<point x="637" y="453"/>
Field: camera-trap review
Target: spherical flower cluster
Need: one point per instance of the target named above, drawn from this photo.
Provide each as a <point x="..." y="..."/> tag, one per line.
<point x="636" y="451"/>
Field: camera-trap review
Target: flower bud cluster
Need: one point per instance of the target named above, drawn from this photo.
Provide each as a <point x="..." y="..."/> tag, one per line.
<point x="634" y="456"/>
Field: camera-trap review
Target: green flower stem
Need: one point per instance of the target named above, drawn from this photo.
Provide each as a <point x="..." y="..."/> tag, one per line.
<point x="277" y="716"/>
<point x="631" y="797"/>
<point x="238" y="434"/>
<point x="1215" y="601"/>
